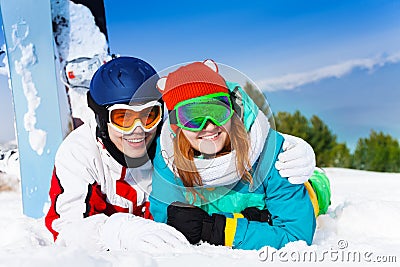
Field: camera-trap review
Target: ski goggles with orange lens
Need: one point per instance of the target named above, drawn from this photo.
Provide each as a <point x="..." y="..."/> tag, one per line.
<point x="193" y="114"/>
<point x="125" y="118"/>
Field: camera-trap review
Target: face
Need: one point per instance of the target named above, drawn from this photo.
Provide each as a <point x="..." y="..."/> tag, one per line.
<point x="210" y="140"/>
<point x="133" y="145"/>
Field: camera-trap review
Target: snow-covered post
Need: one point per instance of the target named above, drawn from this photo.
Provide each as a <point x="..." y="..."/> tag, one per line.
<point x="40" y="102"/>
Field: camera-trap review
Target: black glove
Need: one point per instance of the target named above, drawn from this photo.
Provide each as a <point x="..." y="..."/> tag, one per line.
<point x="254" y="214"/>
<point x="195" y="224"/>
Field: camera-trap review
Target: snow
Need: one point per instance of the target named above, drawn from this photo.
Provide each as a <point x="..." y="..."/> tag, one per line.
<point x="37" y="137"/>
<point x="81" y="37"/>
<point x="9" y="159"/>
<point x="4" y="68"/>
<point x="361" y="224"/>
<point x="78" y="36"/>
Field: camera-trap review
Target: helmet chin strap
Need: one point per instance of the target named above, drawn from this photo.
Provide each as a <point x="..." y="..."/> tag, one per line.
<point x="121" y="158"/>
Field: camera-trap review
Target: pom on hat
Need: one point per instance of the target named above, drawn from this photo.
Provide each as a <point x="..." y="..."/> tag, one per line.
<point x="190" y="81"/>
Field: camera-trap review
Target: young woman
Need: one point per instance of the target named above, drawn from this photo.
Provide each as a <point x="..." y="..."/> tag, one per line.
<point x="214" y="175"/>
<point x="102" y="170"/>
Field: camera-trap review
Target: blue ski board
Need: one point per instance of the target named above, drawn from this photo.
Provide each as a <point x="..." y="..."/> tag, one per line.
<point x="40" y="101"/>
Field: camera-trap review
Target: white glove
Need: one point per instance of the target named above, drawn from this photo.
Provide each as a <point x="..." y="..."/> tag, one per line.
<point x="297" y="161"/>
<point x="124" y="231"/>
<point x="83" y="233"/>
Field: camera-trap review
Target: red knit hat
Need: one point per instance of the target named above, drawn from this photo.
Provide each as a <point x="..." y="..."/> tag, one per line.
<point x="190" y="81"/>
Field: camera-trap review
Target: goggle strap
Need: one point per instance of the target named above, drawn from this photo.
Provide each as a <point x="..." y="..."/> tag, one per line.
<point x="237" y="102"/>
<point x="100" y="110"/>
<point x="172" y="116"/>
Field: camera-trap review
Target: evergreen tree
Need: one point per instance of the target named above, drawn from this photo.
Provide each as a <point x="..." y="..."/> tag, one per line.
<point x="340" y="156"/>
<point x="378" y="152"/>
<point x="323" y="141"/>
<point x="327" y="151"/>
<point x="295" y="124"/>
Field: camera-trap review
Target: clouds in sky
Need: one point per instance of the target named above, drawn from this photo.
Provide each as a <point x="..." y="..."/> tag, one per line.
<point x="294" y="80"/>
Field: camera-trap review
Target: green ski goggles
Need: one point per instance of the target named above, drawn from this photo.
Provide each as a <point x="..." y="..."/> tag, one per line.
<point x="193" y="114"/>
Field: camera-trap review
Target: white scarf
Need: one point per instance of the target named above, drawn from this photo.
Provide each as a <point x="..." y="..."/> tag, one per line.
<point x="220" y="170"/>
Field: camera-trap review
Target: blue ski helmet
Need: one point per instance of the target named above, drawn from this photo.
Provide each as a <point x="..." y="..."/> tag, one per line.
<point x="118" y="81"/>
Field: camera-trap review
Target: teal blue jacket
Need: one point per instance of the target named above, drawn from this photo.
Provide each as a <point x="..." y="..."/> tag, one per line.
<point x="292" y="212"/>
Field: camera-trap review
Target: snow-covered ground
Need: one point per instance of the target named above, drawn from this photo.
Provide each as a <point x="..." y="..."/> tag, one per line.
<point x="361" y="226"/>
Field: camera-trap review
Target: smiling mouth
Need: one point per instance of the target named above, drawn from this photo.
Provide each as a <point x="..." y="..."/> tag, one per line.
<point x="136" y="140"/>
<point x="210" y="137"/>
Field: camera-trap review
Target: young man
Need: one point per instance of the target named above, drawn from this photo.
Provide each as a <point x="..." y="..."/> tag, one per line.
<point x="102" y="174"/>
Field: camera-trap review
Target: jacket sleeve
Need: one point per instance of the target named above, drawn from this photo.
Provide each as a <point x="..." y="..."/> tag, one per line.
<point x="290" y="205"/>
<point x="165" y="188"/>
<point x="71" y="183"/>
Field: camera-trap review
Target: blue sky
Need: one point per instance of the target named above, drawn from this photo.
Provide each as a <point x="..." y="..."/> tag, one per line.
<point x="337" y="59"/>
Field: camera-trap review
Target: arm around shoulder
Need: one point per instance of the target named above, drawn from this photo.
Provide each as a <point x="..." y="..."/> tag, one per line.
<point x="291" y="208"/>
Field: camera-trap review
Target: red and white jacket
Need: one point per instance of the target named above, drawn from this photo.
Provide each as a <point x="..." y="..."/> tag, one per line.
<point x="88" y="182"/>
